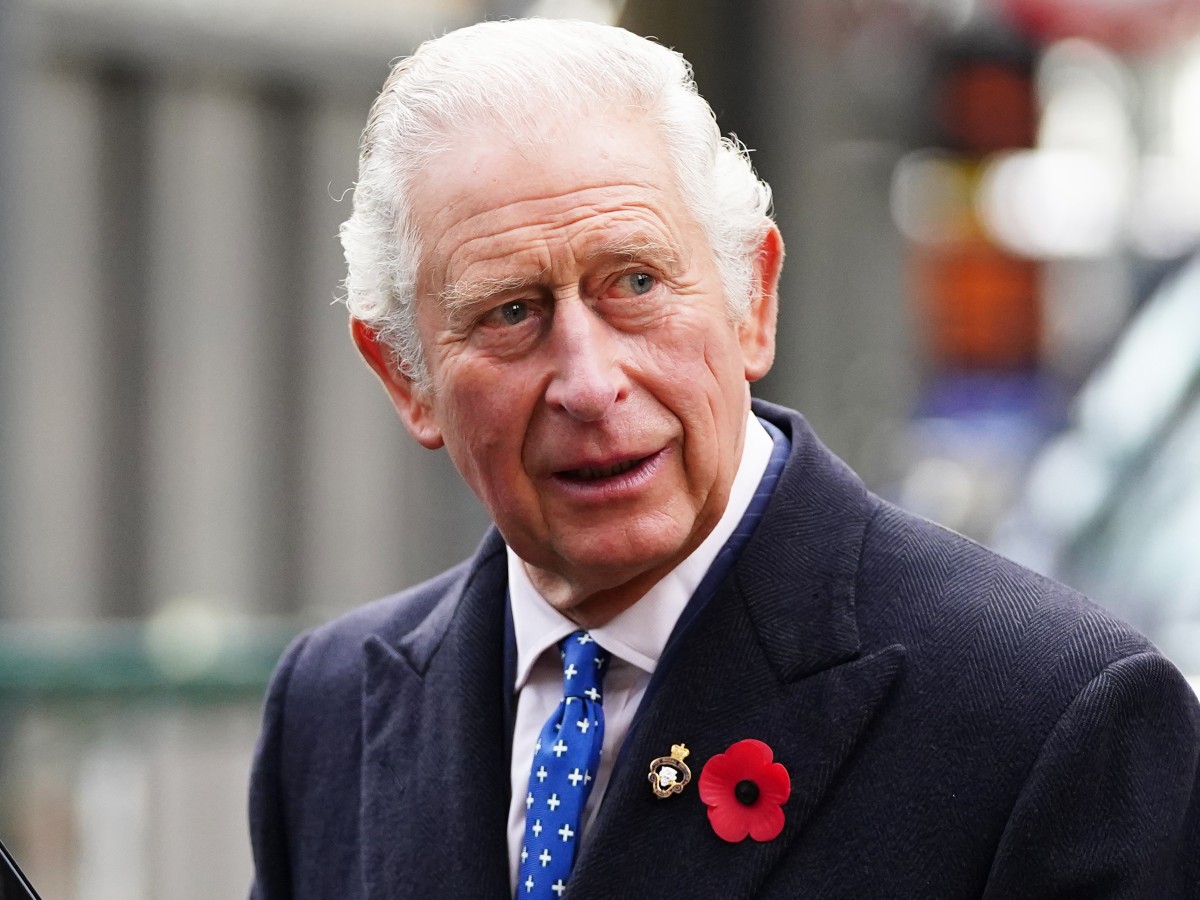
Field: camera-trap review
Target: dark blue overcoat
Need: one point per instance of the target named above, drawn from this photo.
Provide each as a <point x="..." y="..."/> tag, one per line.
<point x="955" y="726"/>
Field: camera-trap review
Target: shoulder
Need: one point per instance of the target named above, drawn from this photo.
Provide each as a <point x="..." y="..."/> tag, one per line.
<point x="312" y="712"/>
<point x="927" y="584"/>
<point x="391" y="617"/>
<point x="960" y="610"/>
<point x="1000" y="650"/>
<point x="329" y="657"/>
<point x="305" y="779"/>
<point x="975" y="625"/>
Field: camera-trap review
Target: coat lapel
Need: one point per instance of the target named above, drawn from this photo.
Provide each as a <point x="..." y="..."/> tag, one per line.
<point x="774" y="656"/>
<point x="434" y="802"/>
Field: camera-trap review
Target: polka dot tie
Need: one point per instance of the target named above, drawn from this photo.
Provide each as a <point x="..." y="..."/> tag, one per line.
<point x="565" y="760"/>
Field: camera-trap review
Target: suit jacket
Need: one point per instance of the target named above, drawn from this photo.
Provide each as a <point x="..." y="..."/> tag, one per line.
<point x="954" y="726"/>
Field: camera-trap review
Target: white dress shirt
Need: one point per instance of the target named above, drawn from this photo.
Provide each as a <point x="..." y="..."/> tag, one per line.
<point x="634" y="639"/>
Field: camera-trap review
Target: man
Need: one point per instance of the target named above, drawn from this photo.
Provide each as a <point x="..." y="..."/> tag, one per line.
<point x="567" y="279"/>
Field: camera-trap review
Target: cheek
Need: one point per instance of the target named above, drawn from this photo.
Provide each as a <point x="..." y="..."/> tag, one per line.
<point x="700" y="371"/>
<point x="486" y="414"/>
<point x="677" y="350"/>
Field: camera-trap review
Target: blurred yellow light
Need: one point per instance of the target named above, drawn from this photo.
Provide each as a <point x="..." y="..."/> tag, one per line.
<point x="931" y="197"/>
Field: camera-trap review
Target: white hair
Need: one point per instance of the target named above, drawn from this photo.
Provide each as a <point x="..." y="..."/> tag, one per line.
<point x="510" y="76"/>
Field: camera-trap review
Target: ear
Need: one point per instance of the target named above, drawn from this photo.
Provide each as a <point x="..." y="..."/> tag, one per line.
<point x="412" y="402"/>
<point x="756" y="330"/>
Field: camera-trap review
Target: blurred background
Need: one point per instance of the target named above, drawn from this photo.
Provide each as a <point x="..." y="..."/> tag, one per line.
<point x="991" y="309"/>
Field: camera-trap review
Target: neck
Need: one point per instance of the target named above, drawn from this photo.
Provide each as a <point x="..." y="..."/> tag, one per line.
<point x="590" y="605"/>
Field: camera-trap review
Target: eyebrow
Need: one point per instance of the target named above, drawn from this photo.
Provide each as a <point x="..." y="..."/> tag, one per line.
<point x="631" y="249"/>
<point x="459" y="296"/>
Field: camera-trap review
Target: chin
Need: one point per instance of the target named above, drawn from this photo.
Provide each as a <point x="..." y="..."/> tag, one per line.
<point x="614" y="566"/>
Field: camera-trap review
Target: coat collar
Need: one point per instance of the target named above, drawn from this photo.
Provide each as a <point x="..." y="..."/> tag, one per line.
<point x="797" y="576"/>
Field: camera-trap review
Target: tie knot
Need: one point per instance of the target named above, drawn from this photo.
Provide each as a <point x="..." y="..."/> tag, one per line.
<point x="584" y="662"/>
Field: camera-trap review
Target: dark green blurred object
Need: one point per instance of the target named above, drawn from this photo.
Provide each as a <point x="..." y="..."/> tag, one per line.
<point x="182" y="659"/>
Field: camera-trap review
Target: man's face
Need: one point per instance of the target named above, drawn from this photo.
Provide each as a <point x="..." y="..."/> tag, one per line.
<point x="584" y="374"/>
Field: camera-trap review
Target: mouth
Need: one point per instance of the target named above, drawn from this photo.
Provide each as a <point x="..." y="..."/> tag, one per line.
<point x="598" y="473"/>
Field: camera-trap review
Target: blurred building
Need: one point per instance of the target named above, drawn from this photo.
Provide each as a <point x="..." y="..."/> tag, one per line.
<point x="977" y="199"/>
<point x="187" y="439"/>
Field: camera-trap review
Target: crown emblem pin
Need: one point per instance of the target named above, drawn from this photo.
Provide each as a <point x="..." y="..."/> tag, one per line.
<point x="669" y="774"/>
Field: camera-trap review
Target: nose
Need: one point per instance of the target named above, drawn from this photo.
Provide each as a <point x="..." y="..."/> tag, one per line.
<point x="587" y="379"/>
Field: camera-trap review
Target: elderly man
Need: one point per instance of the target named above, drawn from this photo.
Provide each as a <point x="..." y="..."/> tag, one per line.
<point x="695" y="657"/>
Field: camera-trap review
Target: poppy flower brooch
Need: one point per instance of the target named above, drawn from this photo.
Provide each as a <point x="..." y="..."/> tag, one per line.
<point x="744" y="790"/>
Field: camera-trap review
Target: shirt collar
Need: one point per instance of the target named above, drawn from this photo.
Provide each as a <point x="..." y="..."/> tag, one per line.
<point x="639" y="634"/>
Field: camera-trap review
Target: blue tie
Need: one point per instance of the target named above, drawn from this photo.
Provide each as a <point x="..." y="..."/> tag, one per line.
<point x="565" y="760"/>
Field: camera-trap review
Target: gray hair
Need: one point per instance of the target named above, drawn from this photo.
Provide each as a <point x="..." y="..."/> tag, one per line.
<point x="508" y="74"/>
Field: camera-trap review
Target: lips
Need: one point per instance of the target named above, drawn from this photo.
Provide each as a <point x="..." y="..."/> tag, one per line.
<point x="594" y="473"/>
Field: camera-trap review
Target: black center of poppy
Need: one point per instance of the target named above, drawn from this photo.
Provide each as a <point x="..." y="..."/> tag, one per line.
<point x="746" y="792"/>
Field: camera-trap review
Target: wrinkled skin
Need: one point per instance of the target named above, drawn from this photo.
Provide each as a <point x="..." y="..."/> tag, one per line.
<point x="584" y="373"/>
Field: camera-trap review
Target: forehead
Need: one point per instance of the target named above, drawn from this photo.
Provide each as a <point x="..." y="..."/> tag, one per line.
<point x="587" y="182"/>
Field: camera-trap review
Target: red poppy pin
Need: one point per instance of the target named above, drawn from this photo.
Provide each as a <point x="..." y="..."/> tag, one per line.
<point x="744" y="790"/>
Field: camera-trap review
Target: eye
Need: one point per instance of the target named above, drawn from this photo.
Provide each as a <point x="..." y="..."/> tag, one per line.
<point x="512" y="313"/>
<point x="639" y="282"/>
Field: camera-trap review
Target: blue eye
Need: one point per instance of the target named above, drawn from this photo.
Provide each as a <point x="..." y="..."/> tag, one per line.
<point x="640" y="282"/>
<point x="513" y="313"/>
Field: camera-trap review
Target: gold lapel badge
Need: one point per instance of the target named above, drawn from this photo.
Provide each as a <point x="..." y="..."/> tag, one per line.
<point x="668" y="774"/>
